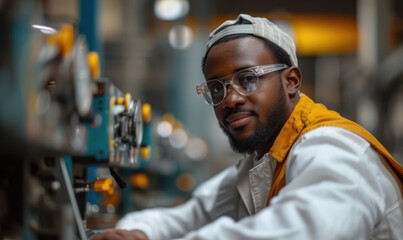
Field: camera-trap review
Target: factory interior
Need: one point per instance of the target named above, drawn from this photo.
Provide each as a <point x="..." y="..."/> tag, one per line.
<point x="99" y="113"/>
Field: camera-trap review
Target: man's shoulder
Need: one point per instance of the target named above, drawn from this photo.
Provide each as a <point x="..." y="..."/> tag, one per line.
<point x="333" y="135"/>
<point x="328" y="147"/>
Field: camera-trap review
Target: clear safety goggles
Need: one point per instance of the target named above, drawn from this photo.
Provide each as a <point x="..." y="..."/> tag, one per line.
<point x="245" y="82"/>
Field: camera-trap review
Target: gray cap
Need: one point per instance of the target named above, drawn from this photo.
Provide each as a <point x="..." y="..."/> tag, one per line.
<point x="260" y="27"/>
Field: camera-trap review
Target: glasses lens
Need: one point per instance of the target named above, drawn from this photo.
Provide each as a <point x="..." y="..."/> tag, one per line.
<point x="246" y="82"/>
<point x="215" y="93"/>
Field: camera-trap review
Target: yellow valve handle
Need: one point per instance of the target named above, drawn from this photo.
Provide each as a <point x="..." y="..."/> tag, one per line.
<point x="146" y="152"/>
<point x="93" y="62"/>
<point x="64" y="39"/>
<point x="104" y="185"/>
<point x="128" y="98"/>
<point x="120" y="101"/>
<point x="146" y="111"/>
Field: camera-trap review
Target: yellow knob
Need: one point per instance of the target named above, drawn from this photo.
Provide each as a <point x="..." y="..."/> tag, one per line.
<point x="146" y="111"/>
<point x="104" y="185"/>
<point x="146" y="152"/>
<point x="128" y="98"/>
<point x="93" y="61"/>
<point x="139" y="180"/>
<point x="66" y="39"/>
<point x="120" y="101"/>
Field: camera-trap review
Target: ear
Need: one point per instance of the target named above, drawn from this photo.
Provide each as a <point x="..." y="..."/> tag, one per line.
<point x="293" y="80"/>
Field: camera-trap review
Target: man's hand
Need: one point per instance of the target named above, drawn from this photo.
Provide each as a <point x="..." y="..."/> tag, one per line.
<point x="117" y="234"/>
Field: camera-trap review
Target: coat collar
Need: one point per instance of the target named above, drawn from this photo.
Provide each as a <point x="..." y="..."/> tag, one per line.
<point x="291" y="129"/>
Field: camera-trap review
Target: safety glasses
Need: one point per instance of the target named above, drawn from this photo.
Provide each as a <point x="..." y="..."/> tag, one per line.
<point x="245" y="82"/>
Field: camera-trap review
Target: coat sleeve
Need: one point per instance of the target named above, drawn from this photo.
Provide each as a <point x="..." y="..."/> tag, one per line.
<point x="335" y="190"/>
<point x="170" y="223"/>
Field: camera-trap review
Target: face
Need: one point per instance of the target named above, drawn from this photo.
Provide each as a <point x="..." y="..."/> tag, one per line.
<point x="251" y="122"/>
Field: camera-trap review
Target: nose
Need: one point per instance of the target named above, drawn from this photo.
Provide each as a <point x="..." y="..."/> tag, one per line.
<point x="233" y="98"/>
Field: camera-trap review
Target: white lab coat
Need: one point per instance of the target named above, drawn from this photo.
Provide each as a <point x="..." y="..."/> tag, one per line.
<point x="337" y="187"/>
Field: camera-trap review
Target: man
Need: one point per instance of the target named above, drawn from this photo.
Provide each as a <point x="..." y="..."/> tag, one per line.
<point x="308" y="173"/>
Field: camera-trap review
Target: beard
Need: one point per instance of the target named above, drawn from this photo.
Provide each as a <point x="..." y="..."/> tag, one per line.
<point x="264" y="132"/>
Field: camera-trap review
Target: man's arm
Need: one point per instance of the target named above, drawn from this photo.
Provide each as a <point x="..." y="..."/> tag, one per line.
<point x="169" y="223"/>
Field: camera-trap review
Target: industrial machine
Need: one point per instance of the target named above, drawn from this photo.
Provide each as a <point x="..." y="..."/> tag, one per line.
<point x="58" y="117"/>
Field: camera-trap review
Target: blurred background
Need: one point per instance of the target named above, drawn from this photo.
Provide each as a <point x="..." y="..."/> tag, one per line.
<point x="350" y="53"/>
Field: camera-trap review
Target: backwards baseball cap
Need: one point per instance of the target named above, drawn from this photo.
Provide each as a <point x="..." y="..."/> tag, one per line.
<point x="260" y="27"/>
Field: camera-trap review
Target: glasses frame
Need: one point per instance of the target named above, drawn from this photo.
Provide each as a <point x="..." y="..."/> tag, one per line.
<point x="201" y="89"/>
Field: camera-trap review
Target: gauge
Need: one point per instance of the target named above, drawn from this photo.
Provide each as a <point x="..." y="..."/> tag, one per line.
<point x="82" y="78"/>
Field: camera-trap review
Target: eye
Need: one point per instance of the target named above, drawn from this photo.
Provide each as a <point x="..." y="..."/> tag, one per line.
<point x="246" y="79"/>
<point x="215" y="87"/>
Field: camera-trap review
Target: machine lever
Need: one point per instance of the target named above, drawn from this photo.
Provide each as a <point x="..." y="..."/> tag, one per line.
<point x="117" y="178"/>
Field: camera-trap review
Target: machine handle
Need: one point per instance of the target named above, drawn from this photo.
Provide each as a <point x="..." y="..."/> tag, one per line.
<point x="117" y="178"/>
<point x="104" y="186"/>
